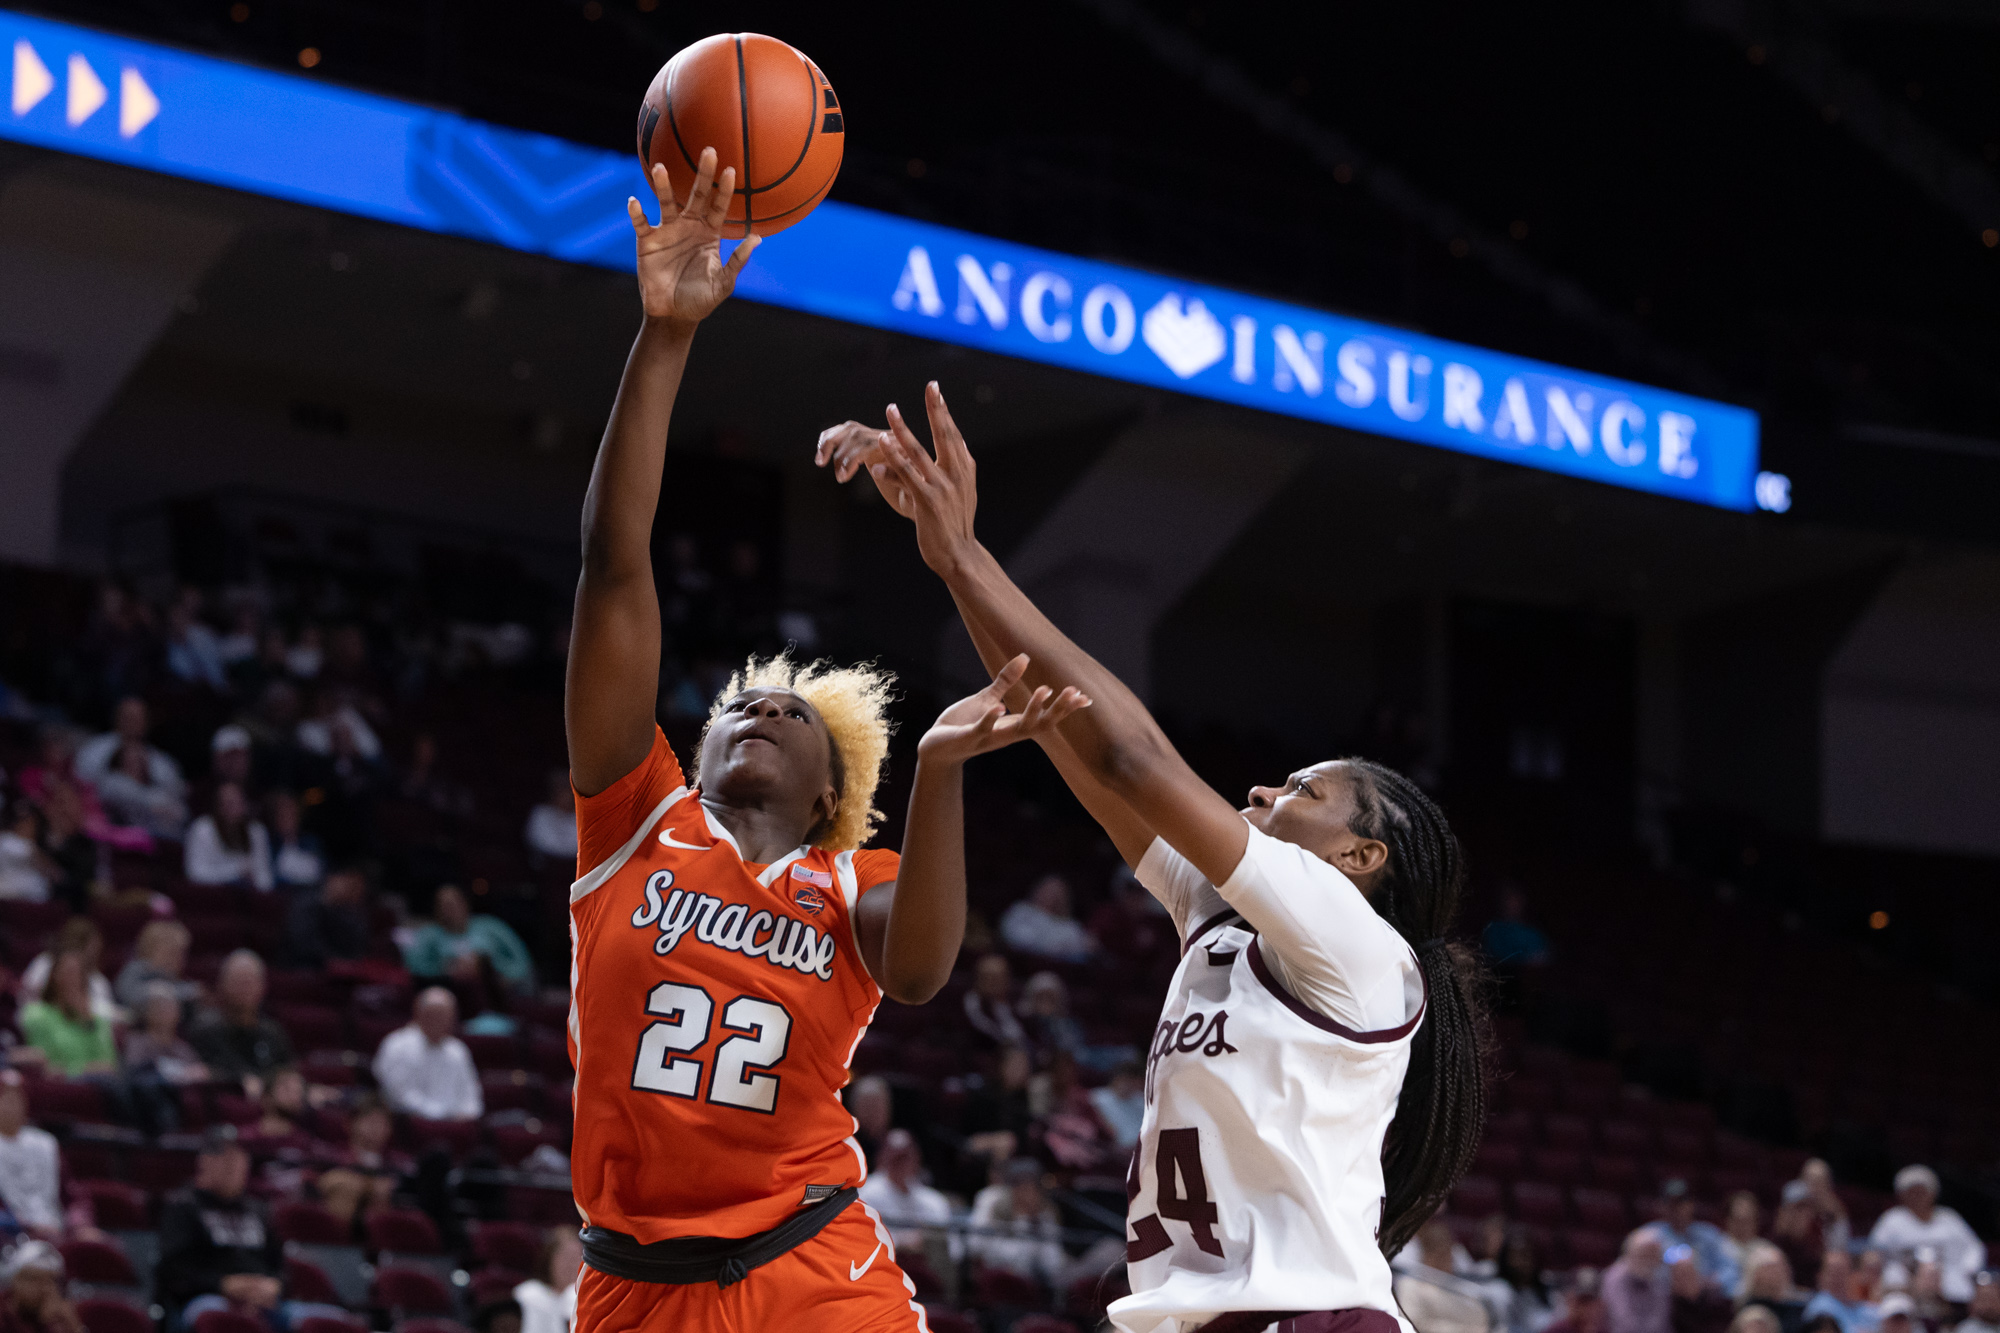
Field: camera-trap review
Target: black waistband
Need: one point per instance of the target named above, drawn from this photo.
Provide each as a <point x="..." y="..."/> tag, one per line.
<point x="723" y="1260"/>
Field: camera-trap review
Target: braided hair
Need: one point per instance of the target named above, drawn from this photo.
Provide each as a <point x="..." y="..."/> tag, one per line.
<point x="1442" y="1108"/>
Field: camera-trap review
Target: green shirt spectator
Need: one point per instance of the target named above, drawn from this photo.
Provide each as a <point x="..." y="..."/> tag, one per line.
<point x="452" y="942"/>
<point x="61" y="1025"/>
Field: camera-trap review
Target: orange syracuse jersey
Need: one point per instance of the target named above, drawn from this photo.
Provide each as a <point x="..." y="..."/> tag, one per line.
<point x="714" y="1007"/>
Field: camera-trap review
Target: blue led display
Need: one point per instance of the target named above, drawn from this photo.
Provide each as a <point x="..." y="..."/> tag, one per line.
<point x="110" y="97"/>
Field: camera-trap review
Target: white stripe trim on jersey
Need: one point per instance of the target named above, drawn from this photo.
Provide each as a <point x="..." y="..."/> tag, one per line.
<point x="721" y="832"/>
<point x="850" y="893"/>
<point x="889" y="1244"/>
<point x="594" y="881"/>
<point x="1379" y="1037"/>
<point x="771" y="872"/>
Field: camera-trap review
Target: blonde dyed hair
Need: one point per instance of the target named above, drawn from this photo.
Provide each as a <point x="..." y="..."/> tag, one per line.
<point x="853" y="702"/>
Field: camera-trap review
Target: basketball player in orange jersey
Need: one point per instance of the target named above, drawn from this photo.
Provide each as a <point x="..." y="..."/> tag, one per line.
<point x="730" y="939"/>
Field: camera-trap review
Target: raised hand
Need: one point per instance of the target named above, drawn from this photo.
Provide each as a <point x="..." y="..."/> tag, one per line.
<point x="681" y="273"/>
<point x="940" y="494"/>
<point x="980" y="722"/>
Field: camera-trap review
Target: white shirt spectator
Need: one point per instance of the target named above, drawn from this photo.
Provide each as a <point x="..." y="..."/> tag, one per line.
<point x="1040" y="924"/>
<point x="20" y="879"/>
<point x="908" y="1213"/>
<point x="1122" y="1115"/>
<point x="434" y="1082"/>
<point x="316" y="733"/>
<point x="1899" y="1233"/>
<point x="103" y="998"/>
<point x="552" y="832"/>
<point x="543" y="1308"/>
<point x="1029" y="1246"/>
<point x="30" y="1177"/>
<point x="206" y="859"/>
<point x="143" y="803"/>
<point x="94" y="756"/>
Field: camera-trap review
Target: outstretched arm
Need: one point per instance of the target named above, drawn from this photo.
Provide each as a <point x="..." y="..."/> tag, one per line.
<point x="614" y="655"/>
<point x="910" y="931"/>
<point x="1116" y="740"/>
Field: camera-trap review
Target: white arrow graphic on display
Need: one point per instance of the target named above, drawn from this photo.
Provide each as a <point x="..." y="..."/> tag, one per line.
<point x="32" y="80"/>
<point x="86" y="91"/>
<point x="137" y="104"/>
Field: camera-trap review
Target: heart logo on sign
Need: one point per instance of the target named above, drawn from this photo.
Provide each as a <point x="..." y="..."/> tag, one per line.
<point x="1187" y="338"/>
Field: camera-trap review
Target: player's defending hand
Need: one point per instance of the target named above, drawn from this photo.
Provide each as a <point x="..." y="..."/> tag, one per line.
<point x="981" y="722"/>
<point x="681" y="273"/>
<point x="939" y="494"/>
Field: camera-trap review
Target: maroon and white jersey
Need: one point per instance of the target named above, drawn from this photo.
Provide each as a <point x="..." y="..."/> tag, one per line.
<point x="1270" y="1084"/>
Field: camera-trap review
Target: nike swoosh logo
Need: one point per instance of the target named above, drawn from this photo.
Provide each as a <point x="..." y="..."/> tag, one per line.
<point x="854" y="1273"/>
<point x="667" y="839"/>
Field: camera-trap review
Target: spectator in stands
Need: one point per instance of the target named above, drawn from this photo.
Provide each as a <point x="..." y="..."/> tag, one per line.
<point x="218" y="1249"/>
<point x="1898" y="1312"/>
<point x="30" y="1164"/>
<point x="331" y="923"/>
<point x="552" y="824"/>
<point x="1835" y="1231"/>
<point x="130" y="723"/>
<point x="231" y="757"/>
<point x="1917" y="1222"/>
<point x="1770" y="1286"/>
<point x="73" y="1040"/>
<point x="989" y="1005"/>
<point x="1121" y="1103"/>
<point x="1583" y="1305"/>
<point x="1046" y="1020"/>
<point x="297" y="860"/>
<point x="159" y="957"/>
<point x="1871" y="1272"/>
<point x="26" y="871"/>
<point x="227" y="847"/>
<point x="1678" y="1226"/>
<point x="32" y="1275"/>
<point x="1740" y="1236"/>
<point x="502" y="1316"/>
<point x="70" y="858"/>
<point x="425" y="784"/>
<point x="272" y="729"/>
<point x="997" y="1113"/>
<point x="284" y="1120"/>
<point x="1699" y="1305"/>
<point x="236" y="1038"/>
<point x="548" y="1299"/>
<point x="1530" y="1307"/>
<point x="910" y="1209"/>
<point x="1131" y="923"/>
<point x="307" y="653"/>
<point x="194" y="651"/>
<point x="1015" y="1227"/>
<point x="77" y="935"/>
<point x="1755" y="1319"/>
<point x="1042" y="924"/>
<point x="454" y="941"/>
<point x="362" y="1178"/>
<point x="1433" y="1297"/>
<point x="239" y="645"/>
<point x="1982" y="1315"/>
<point x="1836" y="1296"/>
<point x="135" y="796"/>
<point x="1511" y="942"/>
<point x="1072" y="1134"/>
<point x="423" y="1070"/>
<point x="870" y="1103"/>
<point x="1796" y="1230"/>
<point x="1638" y="1290"/>
<point x="158" y="1060"/>
<point x="334" y="712"/>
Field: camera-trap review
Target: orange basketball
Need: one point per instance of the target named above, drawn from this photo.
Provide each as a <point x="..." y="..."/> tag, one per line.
<point x="764" y="108"/>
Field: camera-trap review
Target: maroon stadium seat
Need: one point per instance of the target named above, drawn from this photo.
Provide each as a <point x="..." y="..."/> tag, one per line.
<point x="97" y="1161"/>
<point x="493" y="1052"/>
<point x="61" y="1099"/>
<point x="114" y="1205"/>
<point x="1498" y="1159"/>
<point x="1540" y="1204"/>
<point x="99" y="1263"/>
<point x="101" y="1314"/>
<point x="494" y="1284"/>
<point x="942" y="1320"/>
<point x="1601" y="1210"/>
<point x="431" y="1326"/>
<point x="511" y="1090"/>
<point x="228" y="1321"/>
<point x="305" y="1221"/>
<point x="997" y="1286"/>
<point x="301" y="986"/>
<point x="513" y="1142"/>
<point x="158" y="1170"/>
<point x="508" y="1244"/>
<point x="1619" y="1174"/>
<point x="307" y="1281"/>
<point x="1043" y="1323"/>
<point x="320" y="1323"/>
<point x="413" y="1291"/>
<point x="403" y="1231"/>
<point x="457" y="1137"/>
<point x="1626" y="1138"/>
<point x="1555" y="1166"/>
<point x="1510" y="1127"/>
<point x="1685" y="1146"/>
<point x="1590" y="1101"/>
<point x="1561" y="1130"/>
<point x="1525" y="1093"/>
<point x="922" y="1276"/>
<point x="525" y="1203"/>
<point x="1597" y="1249"/>
<point x="312" y="1027"/>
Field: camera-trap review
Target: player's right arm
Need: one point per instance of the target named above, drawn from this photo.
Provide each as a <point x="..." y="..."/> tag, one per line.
<point x="614" y="655"/>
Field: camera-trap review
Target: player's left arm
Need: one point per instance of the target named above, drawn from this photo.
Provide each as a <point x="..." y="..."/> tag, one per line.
<point x="910" y="929"/>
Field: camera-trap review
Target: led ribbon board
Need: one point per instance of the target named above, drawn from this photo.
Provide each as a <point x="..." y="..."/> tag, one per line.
<point x="149" y="106"/>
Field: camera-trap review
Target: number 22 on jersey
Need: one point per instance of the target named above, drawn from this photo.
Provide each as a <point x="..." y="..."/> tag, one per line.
<point x="742" y="1063"/>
